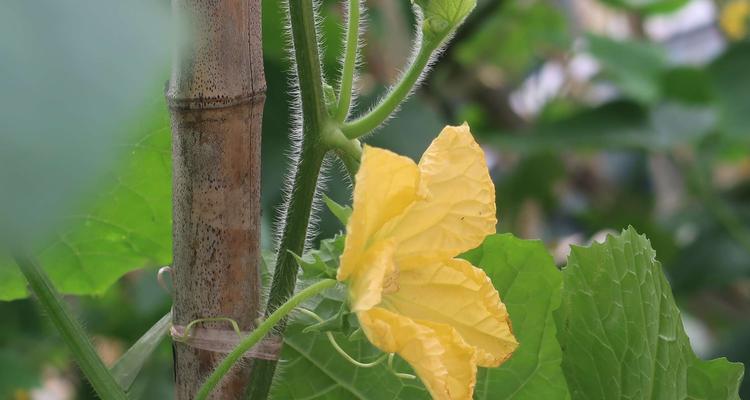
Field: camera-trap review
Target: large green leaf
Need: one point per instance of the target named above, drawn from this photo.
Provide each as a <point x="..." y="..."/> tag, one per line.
<point x="621" y="331"/>
<point x="312" y="369"/>
<point x="635" y="67"/>
<point x="529" y="284"/>
<point x="125" y="225"/>
<point x="65" y="103"/>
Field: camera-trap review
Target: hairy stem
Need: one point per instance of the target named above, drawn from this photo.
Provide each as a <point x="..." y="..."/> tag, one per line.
<point x="71" y="331"/>
<point x="255" y="336"/>
<point x="350" y="61"/>
<point x="314" y="120"/>
<point x="393" y="99"/>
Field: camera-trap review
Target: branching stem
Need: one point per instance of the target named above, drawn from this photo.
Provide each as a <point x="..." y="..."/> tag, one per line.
<point x="315" y="120"/>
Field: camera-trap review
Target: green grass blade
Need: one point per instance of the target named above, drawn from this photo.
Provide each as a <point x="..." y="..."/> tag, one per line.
<point x="126" y="369"/>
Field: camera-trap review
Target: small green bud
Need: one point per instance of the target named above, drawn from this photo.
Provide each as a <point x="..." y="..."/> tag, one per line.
<point x="435" y="28"/>
<point x="441" y="17"/>
<point x="329" y="95"/>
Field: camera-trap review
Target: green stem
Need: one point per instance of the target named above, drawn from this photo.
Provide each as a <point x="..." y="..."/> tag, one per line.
<point x="393" y="99"/>
<point x="253" y="338"/>
<point x="350" y="61"/>
<point x="336" y="346"/>
<point x="71" y="331"/>
<point x="315" y="119"/>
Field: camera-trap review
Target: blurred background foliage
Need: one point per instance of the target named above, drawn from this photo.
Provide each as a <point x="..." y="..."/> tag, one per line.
<point x="594" y="115"/>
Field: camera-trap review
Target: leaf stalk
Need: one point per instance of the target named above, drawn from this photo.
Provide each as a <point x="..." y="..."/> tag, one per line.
<point x="350" y="61"/>
<point x="367" y="123"/>
<point x="69" y="328"/>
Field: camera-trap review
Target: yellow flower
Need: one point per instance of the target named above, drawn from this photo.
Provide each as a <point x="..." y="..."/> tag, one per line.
<point x="411" y="296"/>
<point x="734" y="19"/>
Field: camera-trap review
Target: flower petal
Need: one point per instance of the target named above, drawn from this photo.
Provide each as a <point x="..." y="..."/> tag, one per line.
<point x="367" y="282"/>
<point x="460" y="295"/>
<point x="445" y="364"/>
<point x="386" y="184"/>
<point x="460" y="208"/>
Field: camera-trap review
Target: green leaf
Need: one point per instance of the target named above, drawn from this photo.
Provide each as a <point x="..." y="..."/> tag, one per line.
<point x="714" y="379"/>
<point x="314" y="370"/>
<point x="617" y="125"/>
<point x="344" y="322"/>
<point x="323" y="262"/>
<point x="621" y="331"/>
<point x="515" y="37"/>
<point x="442" y="17"/>
<point x="64" y="105"/>
<point x="689" y="85"/>
<point x="70" y="329"/>
<point x="731" y="83"/>
<point x="529" y="284"/>
<point x="23" y="375"/>
<point x="689" y="275"/>
<point x="646" y="6"/>
<point x="267" y="260"/>
<point x="126" y="224"/>
<point x="126" y="368"/>
<point x="342" y="213"/>
<point x="635" y="67"/>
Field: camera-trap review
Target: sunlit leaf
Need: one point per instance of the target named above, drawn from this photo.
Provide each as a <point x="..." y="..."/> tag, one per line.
<point x="312" y="369"/>
<point x="621" y="331"/>
<point x="441" y="17"/>
<point x="529" y="284"/>
<point x="75" y="74"/>
<point x="322" y="262"/>
<point x="342" y="213"/>
<point x="125" y="225"/>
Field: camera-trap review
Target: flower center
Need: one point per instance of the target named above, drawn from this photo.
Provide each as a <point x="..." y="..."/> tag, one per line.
<point x="390" y="282"/>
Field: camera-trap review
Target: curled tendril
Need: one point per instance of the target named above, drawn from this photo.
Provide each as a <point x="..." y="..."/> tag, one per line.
<point x="186" y="335"/>
<point x="160" y="279"/>
<point x="398" y="374"/>
<point x="347" y="357"/>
